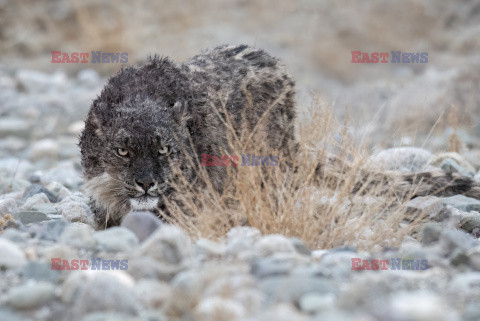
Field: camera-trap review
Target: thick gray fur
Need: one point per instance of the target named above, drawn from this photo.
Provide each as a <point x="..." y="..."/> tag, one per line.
<point x="142" y="109"/>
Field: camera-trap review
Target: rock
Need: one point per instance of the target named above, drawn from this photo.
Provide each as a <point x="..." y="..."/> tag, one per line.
<point x="477" y="176"/>
<point x="64" y="173"/>
<point x="152" y="294"/>
<point x="218" y="308"/>
<point x="10" y="315"/>
<point x="459" y="161"/>
<point x="281" y="312"/>
<point x="471" y="312"/>
<point x="31" y="295"/>
<point x="27" y="217"/>
<point x="169" y="244"/>
<point x="312" y="302"/>
<point x="36" y="199"/>
<point x="451" y="240"/>
<point x="272" y="266"/>
<point x="12" y="185"/>
<point x="300" y="246"/>
<point x="49" y="230"/>
<point x="408" y="159"/>
<point x="116" y="239"/>
<point x="14" y="127"/>
<point x="272" y="244"/>
<point x="292" y="288"/>
<point x="91" y="291"/>
<point x="74" y="211"/>
<point x="146" y="267"/>
<point x="143" y="224"/>
<point x="78" y="235"/>
<point x="37" y="189"/>
<point x="46" y="208"/>
<point x="107" y="316"/>
<point x="431" y="233"/>
<point x="39" y="272"/>
<point x="450" y="166"/>
<point x="241" y="239"/>
<point x="470" y="223"/>
<point x="462" y="203"/>
<point x="426" y="205"/>
<point x="58" y="190"/>
<point x="11" y="255"/>
<point x="209" y="249"/>
<point x="465" y="287"/>
<point x="8" y="206"/>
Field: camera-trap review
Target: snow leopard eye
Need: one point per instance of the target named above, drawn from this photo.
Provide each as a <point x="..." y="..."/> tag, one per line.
<point x="165" y="150"/>
<point x="122" y="152"/>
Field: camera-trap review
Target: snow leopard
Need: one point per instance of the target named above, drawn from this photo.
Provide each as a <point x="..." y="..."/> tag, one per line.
<point x="162" y="115"/>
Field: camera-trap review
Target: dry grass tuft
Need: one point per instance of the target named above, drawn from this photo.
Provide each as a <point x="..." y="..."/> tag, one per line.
<point x="314" y="203"/>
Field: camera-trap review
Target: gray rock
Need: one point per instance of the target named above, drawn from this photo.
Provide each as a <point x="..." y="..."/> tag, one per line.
<point x="431" y="233"/>
<point x="143" y="224"/>
<point x="300" y="246"/>
<point x="12" y="185"/>
<point x="39" y="272"/>
<point x="152" y="294"/>
<point x="451" y="240"/>
<point x="477" y="176"/>
<point x="36" y="199"/>
<point x="465" y="287"/>
<point x="31" y="295"/>
<point x="169" y="244"/>
<point x="64" y="173"/>
<point x="142" y="266"/>
<point x="74" y="211"/>
<point x="28" y="217"/>
<point x="106" y="316"/>
<point x="116" y="239"/>
<point x="462" y="203"/>
<point x="49" y="230"/>
<point x="470" y="223"/>
<point x="46" y="208"/>
<point x="292" y="288"/>
<point x="34" y="81"/>
<point x="100" y="291"/>
<point x="211" y="308"/>
<point x="450" y="166"/>
<point x="280" y="312"/>
<point x="241" y="239"/>
<point x="339" y="315"/>
<point x="8" y="206"/>
<point x="58" y="190"/>
<point x="11" y="255"/>
<point x="471" y="312"/>
<point x="272" y="266"/>
<point x="209" y="249"/>
<point x="14" y="127"/>
<point x="8" y="314"/>
<point x="37" y="189"/>
<point x="410" y="159"/>
<point x="272" y="244"/>
<point x="312" y="302"/>
<point x="78" y="235"/>
<point x="431" y="206"/>
<point x="12" y="167"/>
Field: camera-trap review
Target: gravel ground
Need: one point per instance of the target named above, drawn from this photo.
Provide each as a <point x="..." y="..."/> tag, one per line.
<point x="55" y="266"/>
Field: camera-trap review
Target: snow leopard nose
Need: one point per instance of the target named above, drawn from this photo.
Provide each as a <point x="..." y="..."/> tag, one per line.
<point x="144" y="184"/>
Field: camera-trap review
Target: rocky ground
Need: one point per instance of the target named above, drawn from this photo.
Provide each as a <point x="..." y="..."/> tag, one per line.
<point x="162" y="274"/>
